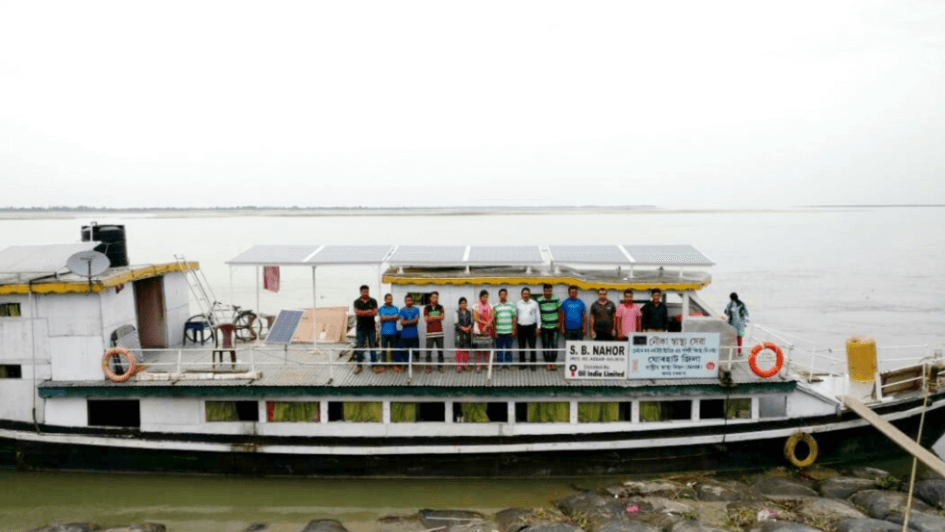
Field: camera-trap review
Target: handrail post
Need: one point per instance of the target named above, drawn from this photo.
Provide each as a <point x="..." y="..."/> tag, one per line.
<point x="410" y="362"/>
<point x="492" y="354"/>
<point x="180" y="353"/>
<point x="252" y="359"/>
<point x="331" y="364"/>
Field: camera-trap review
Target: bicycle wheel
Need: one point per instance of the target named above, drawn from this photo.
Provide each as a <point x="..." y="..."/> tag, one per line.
<point x="246" y="326"/>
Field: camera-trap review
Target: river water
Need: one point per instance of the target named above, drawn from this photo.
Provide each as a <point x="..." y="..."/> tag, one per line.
<point x="819" y="273"/>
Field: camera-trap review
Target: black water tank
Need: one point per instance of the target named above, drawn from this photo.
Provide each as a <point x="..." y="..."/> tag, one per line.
<point x="112" y="238"/>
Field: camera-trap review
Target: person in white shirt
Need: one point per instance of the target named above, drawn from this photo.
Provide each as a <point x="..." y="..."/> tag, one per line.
<point x="527" y="316"/>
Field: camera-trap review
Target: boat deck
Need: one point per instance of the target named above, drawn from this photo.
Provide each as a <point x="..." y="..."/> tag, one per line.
<point x="296" y="367"/>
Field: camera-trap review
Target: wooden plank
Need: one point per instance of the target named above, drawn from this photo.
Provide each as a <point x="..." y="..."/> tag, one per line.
<point x="896" y="435"/>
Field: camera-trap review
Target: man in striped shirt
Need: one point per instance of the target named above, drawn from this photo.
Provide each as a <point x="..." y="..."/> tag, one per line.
<point x="504" y="329"/>
<point x="550" y="309"/>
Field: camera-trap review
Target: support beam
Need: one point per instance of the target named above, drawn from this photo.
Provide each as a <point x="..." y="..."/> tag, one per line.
<point x="896" y="435"/>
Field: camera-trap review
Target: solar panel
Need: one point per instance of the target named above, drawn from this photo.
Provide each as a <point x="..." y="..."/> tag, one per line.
<point x="499" y="255"/>
<point x="273" y="255"/>
<point x="433" y="255"/>
<point x="602" y="255"/>
<point x="283" y="329"/>
<point x="350" y="255"/>
<point x="684" y="255"/>
<point x="49" y="258"/>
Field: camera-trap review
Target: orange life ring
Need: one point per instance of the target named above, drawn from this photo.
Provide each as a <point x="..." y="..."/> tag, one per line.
<point x="753" y="360"/>
<point x="111" y="375"/>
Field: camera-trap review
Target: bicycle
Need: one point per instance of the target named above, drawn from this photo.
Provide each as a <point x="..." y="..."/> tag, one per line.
<point x="247" y="325"/>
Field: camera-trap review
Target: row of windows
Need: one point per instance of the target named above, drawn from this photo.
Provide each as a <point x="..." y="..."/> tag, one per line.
<point x="9" y="310"/>
<point x="496" y="412"/>
<point x="126" y="413"/>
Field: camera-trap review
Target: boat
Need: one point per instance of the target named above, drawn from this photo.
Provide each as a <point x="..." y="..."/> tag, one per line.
<point x="107" y="371"/>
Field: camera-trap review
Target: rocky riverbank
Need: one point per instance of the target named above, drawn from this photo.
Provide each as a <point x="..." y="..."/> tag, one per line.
<point x="856" y="500"/>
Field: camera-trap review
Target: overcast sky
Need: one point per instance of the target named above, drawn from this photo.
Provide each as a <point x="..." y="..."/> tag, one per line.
<point x="674" y="104"/>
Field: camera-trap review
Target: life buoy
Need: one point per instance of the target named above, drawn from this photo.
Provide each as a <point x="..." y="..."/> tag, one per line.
<point x="791" y="445"/>
<point x="753" y="360"/>
<point x="121" y="352"/>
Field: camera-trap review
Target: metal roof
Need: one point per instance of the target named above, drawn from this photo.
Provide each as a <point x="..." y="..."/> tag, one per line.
<point x="684" y="255"/>
<point x="428" y="255"/>
<point x="49" y="258"/>
<point x="463" y="255"/>
<point x="350" y="255"/>
<point x="511" y="255"/>
<point x="266" y="255"/>
<point x="598" y="255"/>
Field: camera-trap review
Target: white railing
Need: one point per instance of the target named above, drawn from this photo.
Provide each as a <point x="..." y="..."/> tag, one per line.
<point x="199" y="360"/>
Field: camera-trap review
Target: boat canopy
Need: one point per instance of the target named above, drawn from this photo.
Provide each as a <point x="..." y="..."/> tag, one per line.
<point x="467" y="255"/>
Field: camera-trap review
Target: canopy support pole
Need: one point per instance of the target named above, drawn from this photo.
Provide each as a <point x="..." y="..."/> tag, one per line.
<point x="258" y="274"/>
<point x="315" y="313"/>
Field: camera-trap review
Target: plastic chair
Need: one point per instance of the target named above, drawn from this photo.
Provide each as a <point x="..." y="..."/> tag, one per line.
<point x="226" y="342"/>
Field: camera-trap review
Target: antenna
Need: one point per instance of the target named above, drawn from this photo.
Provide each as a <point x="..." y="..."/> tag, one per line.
<point x="87" y="264"/>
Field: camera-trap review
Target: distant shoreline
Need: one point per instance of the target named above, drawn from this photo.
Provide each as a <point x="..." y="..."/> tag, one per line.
<point x="32" y="213"/>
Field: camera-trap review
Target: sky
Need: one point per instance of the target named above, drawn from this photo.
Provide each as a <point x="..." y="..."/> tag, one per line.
<point x="686" y="104"/>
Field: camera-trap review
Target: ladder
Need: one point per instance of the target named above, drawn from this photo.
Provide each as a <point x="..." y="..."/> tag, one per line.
<point x="203" y="293"/>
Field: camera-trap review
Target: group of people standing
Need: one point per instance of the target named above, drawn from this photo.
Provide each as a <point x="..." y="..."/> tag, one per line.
<point x="485" y="327"/>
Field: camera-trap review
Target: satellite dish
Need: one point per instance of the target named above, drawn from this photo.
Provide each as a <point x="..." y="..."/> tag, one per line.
<point x="88" y="263"/>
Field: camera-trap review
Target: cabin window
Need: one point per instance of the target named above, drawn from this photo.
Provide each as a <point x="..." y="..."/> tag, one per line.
<point x="356" y="411"/>
<point x="420" y="299"/>
<point x="232" y="411"/>
<point x="124" y="413"/>
<point x="11" y="371"/>
<point x="725" y="408"/>
<point x="772" y="406"/>
<point x="417" y="412"/>
<point x="665" y="410"/>
<point x="9" y="310"/>
<point x="553" y="412"/>
<point x="293" y="412"/>
<point x="480" y="412"/>
<point x="603" y="412"/>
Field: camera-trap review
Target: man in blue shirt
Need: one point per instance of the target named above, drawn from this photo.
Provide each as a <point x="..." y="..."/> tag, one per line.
<point x="409" y="317"/>
<point x="575" y="316"/>
<point x="389" y="315"/>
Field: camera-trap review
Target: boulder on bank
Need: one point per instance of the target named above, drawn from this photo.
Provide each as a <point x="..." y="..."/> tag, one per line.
<point x="660" y="505"/>
<point x="518" y="519"/>
<point x="324" y="525"/>
<point x="843" y="487"/>
<point x="623" y="524"/>
<point x="781" y="526"/>
<point x="867" y="525"/>
<point x="445" y="519"/>
<point x="651" y="488"/>
<point x="717" y="492"/>
<point x="693" y="526"/>
<point x="140" y="527"/>
<point x="886" y="505"/>
<point x="553" y="527"/>
<point x="781" y="488"/>
<point x="592" y="505"/>
<point x="828" y="509"/>
<point x="68" y="527"/>
<point x="870" y="473"/>
<point x="921" y="522"/>
<point x="932" y="492"/>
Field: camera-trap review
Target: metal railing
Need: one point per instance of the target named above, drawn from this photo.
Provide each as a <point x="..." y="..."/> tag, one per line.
<point x="200" y="360"/>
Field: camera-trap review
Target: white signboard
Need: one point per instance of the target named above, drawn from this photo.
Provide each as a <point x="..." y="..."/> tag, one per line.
<point x="595" y="360"/>
<point x="673" y="355"/>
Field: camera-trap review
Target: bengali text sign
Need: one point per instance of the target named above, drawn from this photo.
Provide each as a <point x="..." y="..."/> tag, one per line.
<point x="673" y="355"/>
